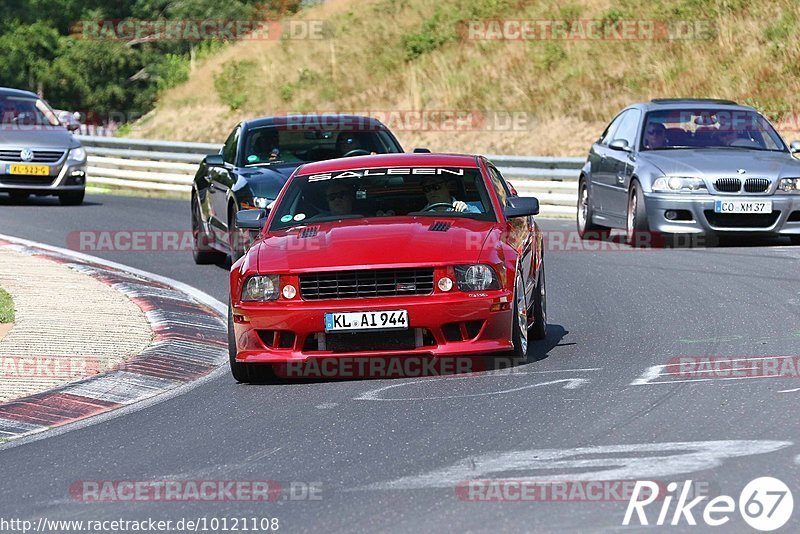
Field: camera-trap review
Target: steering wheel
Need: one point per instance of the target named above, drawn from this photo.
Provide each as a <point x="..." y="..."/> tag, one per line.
<point x="438" y="205"/>
<point x="356" y="152"/>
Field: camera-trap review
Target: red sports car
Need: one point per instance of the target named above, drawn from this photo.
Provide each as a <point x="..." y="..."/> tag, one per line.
<point x="388" y="256"/>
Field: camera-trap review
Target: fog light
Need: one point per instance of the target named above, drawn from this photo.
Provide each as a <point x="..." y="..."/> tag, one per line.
<point x="671" y="215"/>
<point x="289" y="292"/>
<point x="445" y="284"/>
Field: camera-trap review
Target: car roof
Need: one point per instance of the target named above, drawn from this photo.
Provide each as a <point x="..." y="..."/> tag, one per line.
<point x="8" y="91"/>
<point x="390" y="160"/>
<point x="317" y="121"/>
<point x="683" y="103"/>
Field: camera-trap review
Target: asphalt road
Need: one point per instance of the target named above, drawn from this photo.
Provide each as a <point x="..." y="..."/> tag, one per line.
<point x="388" y="455"/>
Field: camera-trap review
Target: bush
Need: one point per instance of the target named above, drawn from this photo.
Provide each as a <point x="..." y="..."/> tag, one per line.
<point x="231" y="83"/>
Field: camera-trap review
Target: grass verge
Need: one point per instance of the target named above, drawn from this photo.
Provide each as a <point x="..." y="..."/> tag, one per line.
<point x="6" y="307"/>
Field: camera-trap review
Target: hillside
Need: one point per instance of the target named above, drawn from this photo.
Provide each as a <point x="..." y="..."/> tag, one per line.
<point x="411" y="55"/>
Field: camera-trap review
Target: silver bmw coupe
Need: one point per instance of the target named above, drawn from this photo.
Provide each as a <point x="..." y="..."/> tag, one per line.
<point x="690" y="167"/>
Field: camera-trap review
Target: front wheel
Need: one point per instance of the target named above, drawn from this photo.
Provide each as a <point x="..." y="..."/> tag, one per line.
<point x="539" y="327"/>
<point x="202" y="252"/>
<point x="240" y="371"/>
<point x="71" y="198"/>
<point x="637" y="230"/>
<point x="586" y="228"/>
<point x="795" y="239"/>
<point x="519" y="328"/>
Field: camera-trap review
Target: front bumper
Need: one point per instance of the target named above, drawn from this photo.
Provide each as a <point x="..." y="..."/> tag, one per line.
<point x="441" y="325"/>
<point x="784" y="219"/>
<point x="64" y="176"/>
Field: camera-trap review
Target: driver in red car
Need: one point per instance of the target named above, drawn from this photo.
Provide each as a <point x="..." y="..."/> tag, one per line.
<point x="439" y="198"/>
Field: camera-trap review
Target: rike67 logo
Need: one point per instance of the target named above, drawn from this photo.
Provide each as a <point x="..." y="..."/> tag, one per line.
<point x="765" y="504"/>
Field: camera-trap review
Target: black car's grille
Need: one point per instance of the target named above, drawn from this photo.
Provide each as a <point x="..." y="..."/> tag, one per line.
<point x="728" y="185"/>
<point x="756" y="185"/>
<point x="741" y="220"/>
<point x="39" y="156"/>
<point x="366" y="283"/>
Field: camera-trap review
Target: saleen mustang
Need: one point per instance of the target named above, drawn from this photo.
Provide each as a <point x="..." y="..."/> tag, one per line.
<point x="388" y="255"/>
<point x="690" y="167"/>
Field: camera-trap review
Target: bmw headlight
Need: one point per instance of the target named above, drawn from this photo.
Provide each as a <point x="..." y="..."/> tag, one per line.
<point x="789" y="185"/>
<point x="676" y="184"/>
<point x="476" y="277"/>
<point x="77" y="155"/>
<point x="261" y="288"/>
<point x="261" y="202"/>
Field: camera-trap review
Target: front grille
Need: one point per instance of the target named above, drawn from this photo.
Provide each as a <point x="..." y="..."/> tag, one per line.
<point x="14" y="179"/>
<point x="756" y="185"/>
<point x="364" y="341"/>
<point x="741" y="220"/>
<point x="366" y="283"/>
<point x="728" y="185"/>
<point x="39" y="156"/>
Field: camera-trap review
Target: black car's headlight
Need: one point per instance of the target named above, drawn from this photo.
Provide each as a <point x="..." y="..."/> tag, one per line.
<point x="261" y="288"/>
<point x="789" y="185"/>
<point x="477" y="277"/>
<point x="676" y="184"/>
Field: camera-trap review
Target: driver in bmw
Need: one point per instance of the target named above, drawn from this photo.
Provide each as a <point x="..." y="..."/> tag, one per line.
<point x="437" y="192"/>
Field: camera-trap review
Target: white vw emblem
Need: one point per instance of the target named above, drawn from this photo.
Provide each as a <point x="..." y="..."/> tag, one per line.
<point x="26" y="154"/>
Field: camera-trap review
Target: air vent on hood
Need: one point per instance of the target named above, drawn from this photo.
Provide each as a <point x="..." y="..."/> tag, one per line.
<point x="440" y="226"/>
<point x="309" y="231"/>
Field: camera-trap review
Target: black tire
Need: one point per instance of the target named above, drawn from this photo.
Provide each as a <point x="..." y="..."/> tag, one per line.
<point x="538" y="329"/>
<point x="795" y="239"/>
<point x="519" y="333"/>
<point x="202" y="252"/>
<point x="586" y="228"/>
<point x="637" y="229"/>
<point x="71" y="198"/>
<point x="18" y="196"/>
<point x="240" y="371"/>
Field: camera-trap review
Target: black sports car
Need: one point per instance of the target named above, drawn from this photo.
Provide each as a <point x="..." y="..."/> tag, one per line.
<point x="256" y="160"/>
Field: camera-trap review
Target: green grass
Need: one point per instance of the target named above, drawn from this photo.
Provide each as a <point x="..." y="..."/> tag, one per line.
<point x="6" y="307"/>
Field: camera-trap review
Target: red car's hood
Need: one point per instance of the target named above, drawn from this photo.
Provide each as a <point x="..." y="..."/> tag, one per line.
<point x="368" y="243"/>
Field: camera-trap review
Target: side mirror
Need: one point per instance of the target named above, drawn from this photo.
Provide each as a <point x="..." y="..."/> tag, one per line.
<point x="251" y="219"/>
<point x="521" y="207"/>
<point x="794" y="148"/>
<point x="214" y="160"/>
<point x="422" y="151"/>
<point x="619" y="144"/>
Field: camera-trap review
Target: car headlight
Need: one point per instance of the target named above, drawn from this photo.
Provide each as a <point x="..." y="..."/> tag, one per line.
<point x="477" y="277"/>
<point x="675" y="184"/>
<point x="261" y="288"/>
<point x="77" y="154"/>
<point x="260" y="202"/>
<point x="789" y="185"/>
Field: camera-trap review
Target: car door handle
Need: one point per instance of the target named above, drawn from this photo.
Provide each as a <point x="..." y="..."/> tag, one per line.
<point x="620" y="179"/>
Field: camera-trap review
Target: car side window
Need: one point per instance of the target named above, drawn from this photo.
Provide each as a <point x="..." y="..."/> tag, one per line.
<point x="499" y="185"/>
<point x="229" y="148"/>
<point x="611" y="129"/>
<point x="628" y="127"/>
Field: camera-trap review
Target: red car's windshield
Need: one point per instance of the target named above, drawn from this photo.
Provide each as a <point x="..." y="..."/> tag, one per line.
<point x="386" y="192"/>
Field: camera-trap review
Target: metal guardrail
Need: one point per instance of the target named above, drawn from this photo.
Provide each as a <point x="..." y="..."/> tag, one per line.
<point x="170" y="166"/>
